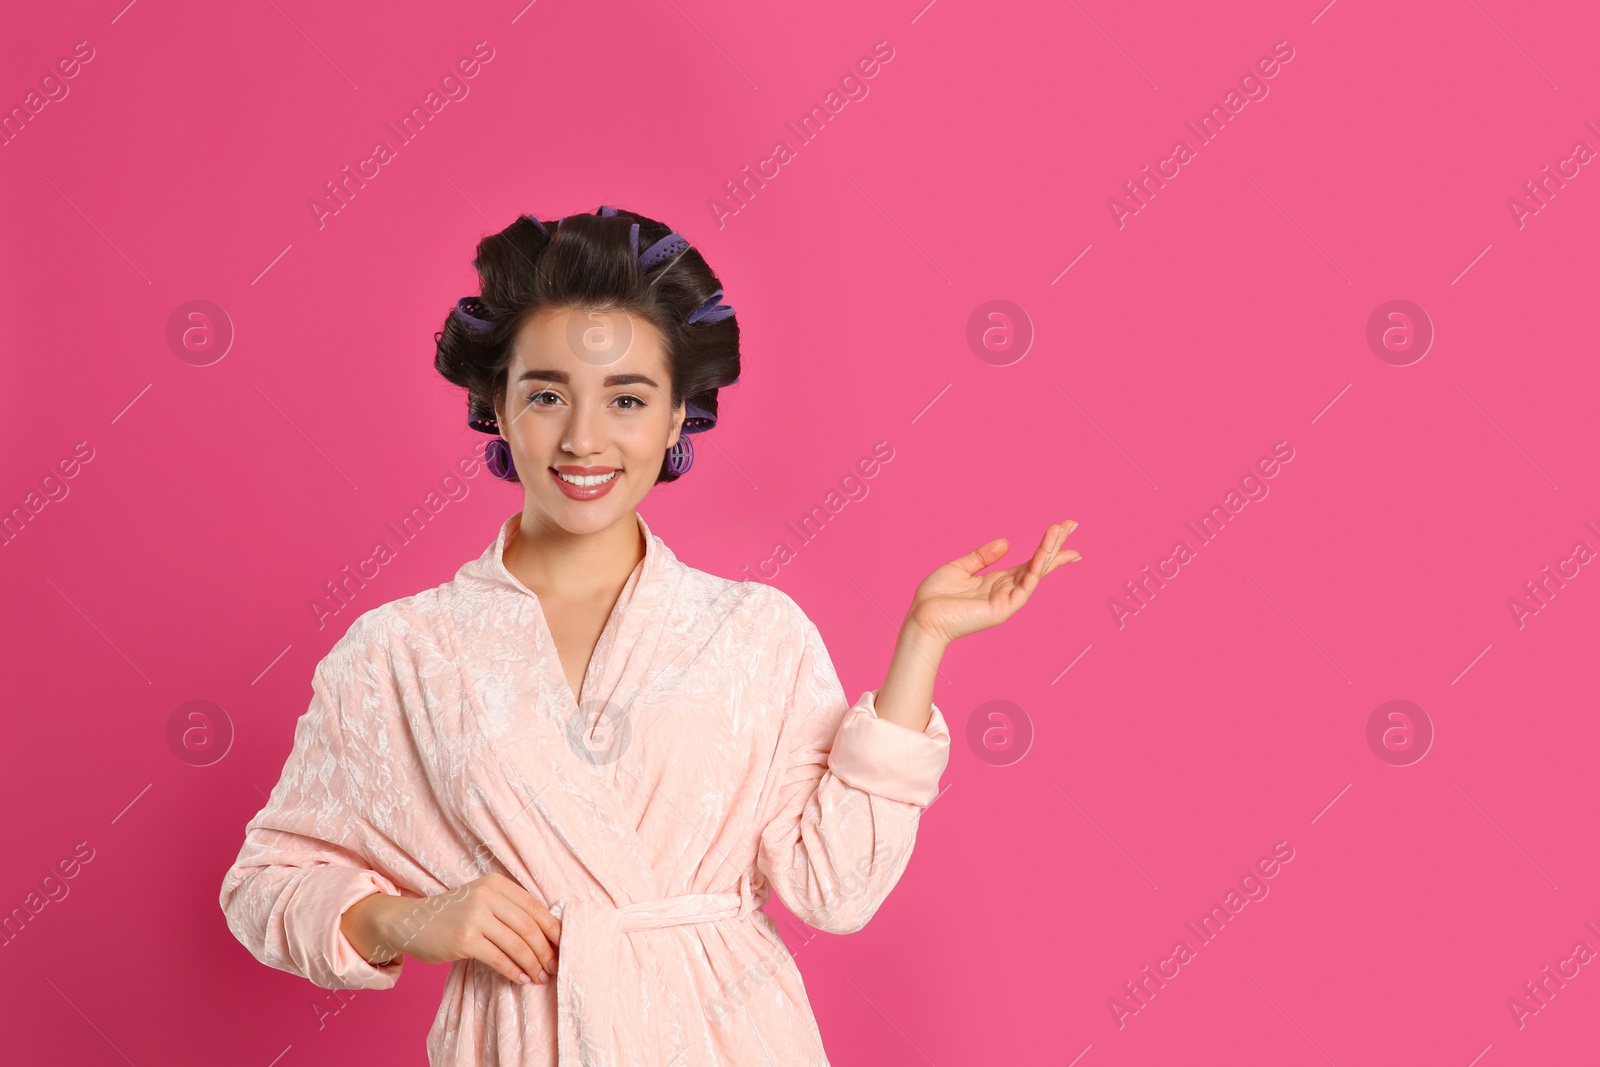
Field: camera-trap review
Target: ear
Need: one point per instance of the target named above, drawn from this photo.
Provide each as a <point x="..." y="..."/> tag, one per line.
<point x="675" y="431"/>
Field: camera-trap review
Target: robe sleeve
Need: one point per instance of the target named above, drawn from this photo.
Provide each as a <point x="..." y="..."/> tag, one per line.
<point x="848" y="791"/>
<point x="305" y="856"/>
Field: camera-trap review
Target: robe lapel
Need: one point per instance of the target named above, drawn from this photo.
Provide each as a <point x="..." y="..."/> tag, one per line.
<point x="540" y="740"/>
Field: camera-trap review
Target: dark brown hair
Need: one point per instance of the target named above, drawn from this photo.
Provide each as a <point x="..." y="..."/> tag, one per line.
<point x="588" y="261"/>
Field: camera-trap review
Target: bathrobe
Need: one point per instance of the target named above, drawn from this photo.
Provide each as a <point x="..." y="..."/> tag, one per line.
<point x="712" y="761"/>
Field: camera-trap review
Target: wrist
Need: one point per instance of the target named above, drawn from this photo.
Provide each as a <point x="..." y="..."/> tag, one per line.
<point x="921" y="636"/>
<point x="363" y="925"/>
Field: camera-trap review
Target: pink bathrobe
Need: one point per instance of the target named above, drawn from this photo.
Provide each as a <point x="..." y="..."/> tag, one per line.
<point x="715" y="759"/>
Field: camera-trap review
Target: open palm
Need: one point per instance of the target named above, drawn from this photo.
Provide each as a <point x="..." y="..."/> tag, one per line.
<point x="955" y="600"/>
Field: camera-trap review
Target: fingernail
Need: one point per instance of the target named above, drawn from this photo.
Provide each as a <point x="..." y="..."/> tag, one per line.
<point x="1075" y="559"/>
<point x="1072" y="524"/>
<point x="523" y="979"/>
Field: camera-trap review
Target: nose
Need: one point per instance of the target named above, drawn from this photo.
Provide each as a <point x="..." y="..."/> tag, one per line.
<point x="583" y="431"/>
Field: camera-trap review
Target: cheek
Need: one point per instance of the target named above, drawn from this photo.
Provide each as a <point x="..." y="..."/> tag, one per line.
<point x="643" y="435"/>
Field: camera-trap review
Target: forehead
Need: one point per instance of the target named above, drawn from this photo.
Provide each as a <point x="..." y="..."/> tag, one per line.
<point x="589" y="342"/>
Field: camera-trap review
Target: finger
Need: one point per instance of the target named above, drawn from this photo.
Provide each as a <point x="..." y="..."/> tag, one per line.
<point x="1056" y="557"/>
<point x="541" y="914"/>
<point x="525" y="924"/>
<point x="516" y="946"/>
<point x="1046" y="559"/>
<point x="487" y="952"/>
<point x="982" y="556"/>
<point x="1066" y="557"/>
<point x="1028" y="576"/>
<point x="1051" y="543"/>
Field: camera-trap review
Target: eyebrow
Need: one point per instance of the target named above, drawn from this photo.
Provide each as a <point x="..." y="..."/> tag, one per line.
<point x="563" y="378"/>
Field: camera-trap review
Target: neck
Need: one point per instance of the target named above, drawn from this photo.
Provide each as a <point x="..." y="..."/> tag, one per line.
<point x="560" y="565"/>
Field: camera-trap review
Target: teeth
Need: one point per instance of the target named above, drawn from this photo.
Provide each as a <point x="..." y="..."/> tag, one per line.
<point x="586" y="479"/>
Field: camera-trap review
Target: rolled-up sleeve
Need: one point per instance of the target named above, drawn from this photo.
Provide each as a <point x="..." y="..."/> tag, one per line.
<point x="304" y="860"/>
<point x="887" y="759"/>
<point x="845" y="794"/>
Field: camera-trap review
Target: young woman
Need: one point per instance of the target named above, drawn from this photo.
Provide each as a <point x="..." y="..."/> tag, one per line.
<point x="579" y="769"/>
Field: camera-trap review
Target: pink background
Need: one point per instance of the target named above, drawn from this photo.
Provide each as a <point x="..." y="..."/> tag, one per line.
<point x="1228" y="314"/>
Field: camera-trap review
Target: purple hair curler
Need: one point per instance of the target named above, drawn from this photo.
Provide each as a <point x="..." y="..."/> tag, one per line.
<point x="470" y="310"/>
<point x="671" y="245"/>
<point x="712" y="309"/>
<point x="680" y="457"/>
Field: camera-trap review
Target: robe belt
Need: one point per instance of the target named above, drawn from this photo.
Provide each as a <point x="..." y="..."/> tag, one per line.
<point x="586" y="966"/>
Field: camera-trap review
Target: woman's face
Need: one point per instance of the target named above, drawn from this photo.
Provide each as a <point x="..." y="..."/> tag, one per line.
<point x="588" y="396"/>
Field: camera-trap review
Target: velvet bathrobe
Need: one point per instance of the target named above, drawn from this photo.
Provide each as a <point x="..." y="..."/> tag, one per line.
<point x="714" y="760"/>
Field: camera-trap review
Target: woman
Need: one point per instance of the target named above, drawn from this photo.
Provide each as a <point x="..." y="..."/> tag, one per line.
<point x="580" y="768"/>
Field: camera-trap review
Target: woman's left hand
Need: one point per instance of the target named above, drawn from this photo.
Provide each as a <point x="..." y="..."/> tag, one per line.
<point x="955" y="600"/>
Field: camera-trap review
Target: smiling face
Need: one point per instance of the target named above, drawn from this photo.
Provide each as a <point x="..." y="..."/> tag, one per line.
<point x="588" y="414"/>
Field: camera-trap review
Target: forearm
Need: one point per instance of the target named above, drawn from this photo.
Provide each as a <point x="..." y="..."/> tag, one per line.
<point x="907" y="693"/>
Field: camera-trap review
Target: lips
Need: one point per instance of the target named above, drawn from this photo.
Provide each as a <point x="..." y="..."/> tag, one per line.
<point x="588" y="484"/>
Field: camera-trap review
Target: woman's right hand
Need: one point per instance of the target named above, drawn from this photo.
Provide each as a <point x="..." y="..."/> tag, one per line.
<point x="491" y="919"/>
